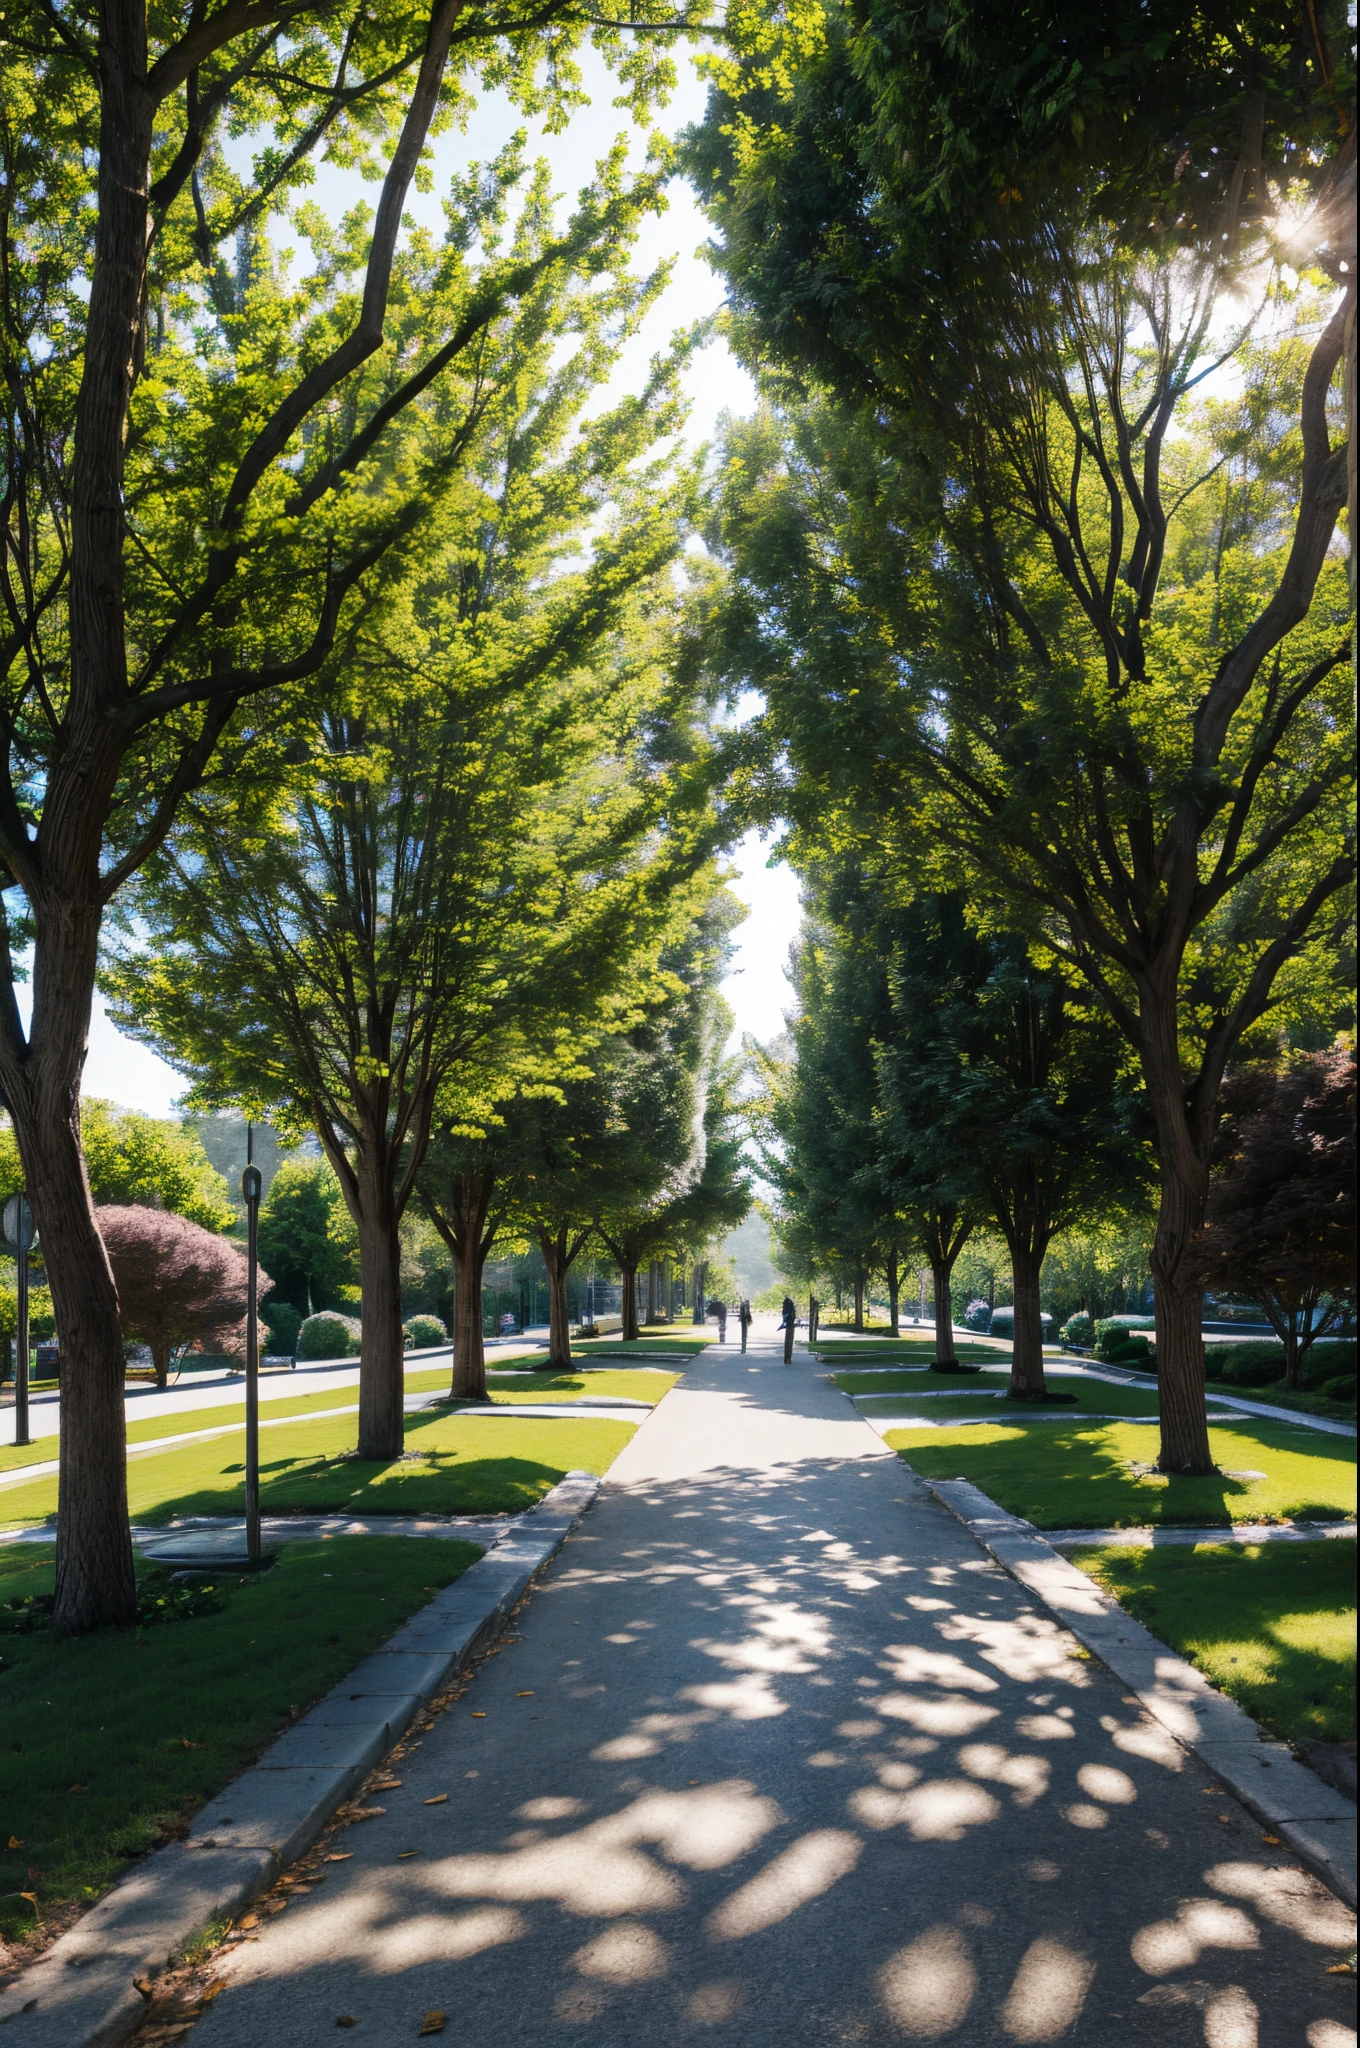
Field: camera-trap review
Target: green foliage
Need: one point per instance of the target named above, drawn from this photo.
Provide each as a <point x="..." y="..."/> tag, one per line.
<point x="1079" y="1329"/>
<point x="154" y="1162"/>
<point x="307" y="1241"/>
<point x="328" y="1335"/>
<point x="283" y="1322"/>
<point x="1119" y="1344"/>
<point x="424" y="1330"/>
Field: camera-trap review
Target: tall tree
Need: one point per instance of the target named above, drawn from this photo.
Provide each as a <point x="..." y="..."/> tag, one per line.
<point x="306" y="1236"/>
<point x="201" y="472"/>
<point x="1094" y="625"/>
<point x="436" y="899"/>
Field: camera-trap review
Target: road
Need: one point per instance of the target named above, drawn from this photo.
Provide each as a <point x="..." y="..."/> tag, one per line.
<point x="780" y="1757"/>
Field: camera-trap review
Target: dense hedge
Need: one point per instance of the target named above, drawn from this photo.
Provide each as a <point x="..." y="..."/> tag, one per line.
<point x="422" y="1331"/>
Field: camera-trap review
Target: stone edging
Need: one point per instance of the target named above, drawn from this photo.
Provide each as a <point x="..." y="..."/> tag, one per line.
<point x="81" y="1993"/>
<point x="1315" y="1821"/>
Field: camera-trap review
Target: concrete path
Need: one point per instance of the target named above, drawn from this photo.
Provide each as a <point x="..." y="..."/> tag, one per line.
<point x="781" y="1758"/>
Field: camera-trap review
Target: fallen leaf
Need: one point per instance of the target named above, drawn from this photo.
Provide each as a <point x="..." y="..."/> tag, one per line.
<point x="1271" y="1841"/>
<point x="438" y="1799"/>
<point x="251" y="1920"/>
<point x="142" y="1984"/>
<point x="15" y="1842"/>
<point x="186" y="1744"/>
<point x="340" y="1856"/>
<point x="386" y="1785"/>
<point x="469" y="1774"/>
<point x="476" y="1716"/>
<point x="524" y="1695"/>
<point x="433" y="2023"/>
<point x="403" y="1854"/>
<point x="80" y="1788"/>
<point x="1226" y="1819"/>
<point x="346" y="2019"/>
<point x="367" y="1812"/>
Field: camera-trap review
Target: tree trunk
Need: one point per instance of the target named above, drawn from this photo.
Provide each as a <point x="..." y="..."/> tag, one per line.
<point x="941" y="1270"/>
<point x="1027" y="1357"/>
<point x="630" y="1303"/>
<point x="95" y="1582"/>
<point x="1177" y="1299"/>
<point x="700" y="1287"/>
<point x="382" y="1369"/>
<point x="160" y="1358"/>
<point x="892" y="1277"/>
<point x="859" y="1301"/>
<point x="469" y="1350"/>
<point x="553" y="1245"/>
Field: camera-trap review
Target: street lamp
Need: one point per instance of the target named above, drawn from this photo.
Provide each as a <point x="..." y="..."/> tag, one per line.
<point x="250" y="1193"/>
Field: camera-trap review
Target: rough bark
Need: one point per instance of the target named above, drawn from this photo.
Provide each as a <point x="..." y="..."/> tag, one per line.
<point x="941" y="1270"/>
<point x="700" y="1286"/>
<point x="859" y="1301"/>
<point x="464" y="1219"/>
<point x="160" y="1359"/>
<point x="1027" y="1357"/>
<point x="559" y="1254"/>
<point x="630" y="1302"/>
<point x="1179" y="1307"/>
<point x="382" y="1369"/>
<point x="892" y="1273"/>
<point x="95" y="1584"/>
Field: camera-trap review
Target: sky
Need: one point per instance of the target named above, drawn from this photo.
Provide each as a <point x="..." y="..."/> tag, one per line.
<point x="757" y="987"/>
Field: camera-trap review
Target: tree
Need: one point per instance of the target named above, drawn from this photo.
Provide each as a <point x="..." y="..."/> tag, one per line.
<point x="306" y="1237"/>
<point x="1061" y="625"/>
<point x="131" y="1158"/>
<point x="436" y="900"/>
<point x="201" y="473"/>
<point x="463" y="1192"/>
<point x="1280" y="1225"/>
<point x="178" y="1284"/>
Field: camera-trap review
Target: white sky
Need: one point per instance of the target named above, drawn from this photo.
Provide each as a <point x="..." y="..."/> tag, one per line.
<point x="757" y="987"/>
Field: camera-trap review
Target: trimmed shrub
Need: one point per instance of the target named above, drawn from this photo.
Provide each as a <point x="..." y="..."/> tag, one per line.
<point x="1330" y="1358"/>
<point x="1117" y="1344"/>
<point x="977" y="1316"/>
<point x="283" y="1322"/>
<point x="1342" y="1389"/>
<point x="1078" y="1329"/>
<point x="1003" y="1323"/>
<point x="422" y="1331"/>
<point x="328" y="1336"/>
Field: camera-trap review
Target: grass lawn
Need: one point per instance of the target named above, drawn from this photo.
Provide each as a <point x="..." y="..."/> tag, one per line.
<point x="1288" y="1397"/>
<point x="978" y="1397"/>
<point x="453" y="1465"/>
<point x="595" y="1381"/>
<point x="915" y="1349"/>
<point x="108" y="1737"/>
<point x="650" y="1343"/>
<point x="916" y="1380"/>
<point x="1080" y="1477"/>
<point x="1273" y="1624"/>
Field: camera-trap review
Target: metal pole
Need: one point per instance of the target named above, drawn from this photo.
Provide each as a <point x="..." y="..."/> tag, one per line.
<point x="250" y="1190"/>
<point x="23" y="1234"/>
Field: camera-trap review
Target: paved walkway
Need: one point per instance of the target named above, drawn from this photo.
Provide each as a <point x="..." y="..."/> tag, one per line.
<point x="780" y="1758"/>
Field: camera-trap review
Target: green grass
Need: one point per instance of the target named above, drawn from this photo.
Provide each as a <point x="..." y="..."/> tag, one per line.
<point x="109" y="1736"/>
<point x="453" y="1466"/>
<point x="1092" y="1397"/>
<point x="1273" y="1624"/>
<point x="914" y="1380"/>
<point x="1079" y="1477"/>
<point x="598" y="1380"/>
<point x="1288" y="1397"/>
<point x="916" y="1349"/>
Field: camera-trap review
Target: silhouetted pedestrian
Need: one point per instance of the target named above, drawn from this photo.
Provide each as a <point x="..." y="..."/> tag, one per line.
<point x="744" y="1318"/>
<point x="719" y="1309"/>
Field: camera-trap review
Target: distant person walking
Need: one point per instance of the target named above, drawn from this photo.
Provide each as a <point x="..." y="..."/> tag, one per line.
<point x="814" y="1317"/>
<point x="719" y="1309"/>
<point x="789" y="1323"/>
<point x="744" y="1318"/>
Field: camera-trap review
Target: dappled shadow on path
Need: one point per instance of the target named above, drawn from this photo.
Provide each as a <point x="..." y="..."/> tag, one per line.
<point x="783" y="1758"/>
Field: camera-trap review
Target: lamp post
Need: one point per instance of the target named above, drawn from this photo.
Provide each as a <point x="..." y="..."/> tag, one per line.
<point x="19" y="1232"/>
<point x="250" y="1194"/>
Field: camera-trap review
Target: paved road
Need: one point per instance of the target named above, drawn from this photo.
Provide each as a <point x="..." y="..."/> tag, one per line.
<point x="780" y="1758"/>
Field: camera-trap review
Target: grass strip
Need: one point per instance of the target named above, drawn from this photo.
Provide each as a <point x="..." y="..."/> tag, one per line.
<point x="1271" y="1624"/>
<point x="1096" y="1477"/>
<point x="453" y="1465"/>
<point x="1093" y="1397"/>
<point x="111" y="1740"/>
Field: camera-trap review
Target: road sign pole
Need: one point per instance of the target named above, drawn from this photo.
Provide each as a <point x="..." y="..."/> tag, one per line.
<point x="250" y="1190"/>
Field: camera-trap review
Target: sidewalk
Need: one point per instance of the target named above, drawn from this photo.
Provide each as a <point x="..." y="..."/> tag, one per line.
<point x="780" y="1758"/>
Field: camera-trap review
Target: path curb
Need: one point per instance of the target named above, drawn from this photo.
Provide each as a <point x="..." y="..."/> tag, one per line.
<point x="81" y="1993"/>
<point x="1311" y="1817"/>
